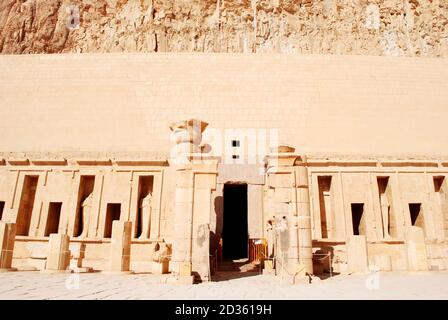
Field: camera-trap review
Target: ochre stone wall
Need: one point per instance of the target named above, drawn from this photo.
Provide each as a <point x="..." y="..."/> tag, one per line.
<point x="356" y="120"/>
<point x="332" y="224"/>
<point x="109" y="104"/>
<point x="378" y="27"/>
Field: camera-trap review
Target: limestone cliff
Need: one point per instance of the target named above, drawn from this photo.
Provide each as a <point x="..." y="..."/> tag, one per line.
<point x="367" y="27"/>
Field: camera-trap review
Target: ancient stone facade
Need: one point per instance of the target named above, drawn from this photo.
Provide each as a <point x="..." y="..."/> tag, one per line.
<point x="84" y="186"/>
<point x="327" y="205"/>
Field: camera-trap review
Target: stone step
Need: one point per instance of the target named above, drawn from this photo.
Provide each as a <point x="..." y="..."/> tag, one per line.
<point x="240" y="267"/>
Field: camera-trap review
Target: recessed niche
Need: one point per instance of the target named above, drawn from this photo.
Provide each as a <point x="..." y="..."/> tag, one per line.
<point x="358" y="219"/>
<point x="324" y="183"/>
<point x="26" y="205"/>
<point x="54" y="216"/>
<point x="113" y="213"/>
<point x="416" y="212"/>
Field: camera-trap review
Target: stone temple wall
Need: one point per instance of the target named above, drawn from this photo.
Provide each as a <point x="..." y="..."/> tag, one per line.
<point x="124" y="103"/>
<point x="89" y="139"/>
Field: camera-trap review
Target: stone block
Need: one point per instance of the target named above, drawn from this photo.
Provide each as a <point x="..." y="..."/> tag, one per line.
<point x="305" y="239"/>
<point x="185" y="269"/>
<point x="303" y="209"/>
<point x="184" y="195"/>
<point x="304" y="222"/>
<point x="383" y="262"/>
<point x="160" y="267"/>
<point x="303" y="195"/>
<point x="7" y="238"/>
<point x="58" y="259"/>
<point x="205" y="181"/>
<point x="298" y="275"/>
<point x="282" y="208"/>
<point x="416" y="249"/>
<point x="283" y="194"/>
<point x="120" y="246"/>
<point x="301" y="176"/>
<point x="184" y="179"/>
<point x="357" y="254"/>
<point x="281" y="180"/>
<point x="77" y="251"/>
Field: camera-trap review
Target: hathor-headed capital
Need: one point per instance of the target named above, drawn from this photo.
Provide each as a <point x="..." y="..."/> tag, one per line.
<point x="187" y="124"/>
<point x="283" y="148"/>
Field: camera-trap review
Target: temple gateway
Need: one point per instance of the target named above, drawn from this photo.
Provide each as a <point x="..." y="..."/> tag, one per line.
<point x="186" y="165"/>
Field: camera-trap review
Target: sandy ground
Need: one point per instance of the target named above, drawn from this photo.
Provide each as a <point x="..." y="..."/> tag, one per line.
<point x="391" y="285"/>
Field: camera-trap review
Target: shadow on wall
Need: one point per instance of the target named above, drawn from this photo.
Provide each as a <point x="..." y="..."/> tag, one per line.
<point x="216" y="235"/>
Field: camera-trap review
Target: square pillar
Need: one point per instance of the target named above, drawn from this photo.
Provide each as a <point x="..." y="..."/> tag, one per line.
<point x="58" y="258"/>
<point x="416" y="249"/>
<point x="120" y="247"/>
<point x="195" y="179"/>
<point x="288" y="177"/>
<point x="7" y="237"/>
<point x="357" y="254"/>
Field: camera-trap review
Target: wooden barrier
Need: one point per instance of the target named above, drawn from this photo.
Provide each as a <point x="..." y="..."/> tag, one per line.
<point x="257" y="249"/>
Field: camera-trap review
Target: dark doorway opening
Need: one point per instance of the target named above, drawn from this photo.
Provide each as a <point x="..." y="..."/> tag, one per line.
<point x="2" y="207"/>
<point x="54" y="216"/>
<point x="415" y="209"/>
<point x="113" y="213"/>
<point x="235" y="226"/>
<point x="26" y="205"/>
<point x="357" y="218"/>
<point x="438" y="182"/>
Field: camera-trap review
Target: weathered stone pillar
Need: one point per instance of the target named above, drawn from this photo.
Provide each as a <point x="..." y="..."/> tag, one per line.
<point x="304" y="214"/>
<point x="416" y="249"/>
<point x="357" y="253"/>
<point x="288" y="177"/>
<point x="195" y="180"/>
<point x="58" y="258"/>
<point x="76" y="256"/>
<point x="120" y="247"/>
<point x="7" y="237"/>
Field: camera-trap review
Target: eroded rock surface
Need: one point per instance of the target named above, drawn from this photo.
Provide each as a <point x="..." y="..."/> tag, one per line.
<point x="367" y="27"/>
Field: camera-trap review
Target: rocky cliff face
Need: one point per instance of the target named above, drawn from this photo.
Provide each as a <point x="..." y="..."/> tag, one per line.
<point x="368" y="27"/>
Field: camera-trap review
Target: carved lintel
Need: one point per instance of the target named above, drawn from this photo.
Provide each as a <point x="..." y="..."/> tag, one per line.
<point x="49" y="162"/>
<point x="19" y="162"/>
<point x="94" y="162"/>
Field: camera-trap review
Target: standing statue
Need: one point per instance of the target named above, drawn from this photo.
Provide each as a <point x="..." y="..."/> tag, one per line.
<point x="145" y="216"/>
<point x="270" y="234"/>
<point x="86" y="210"/>
<point x="385" y="207"/>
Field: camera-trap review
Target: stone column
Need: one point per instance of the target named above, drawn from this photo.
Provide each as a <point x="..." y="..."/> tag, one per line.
<point x="304" y="214"/>
<point x="288" y="176"/>
<point x="58" y="258"/>
<point x="195" y="180"/>
<point x="7" y="237"/>
<point x="120" y="247"/>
